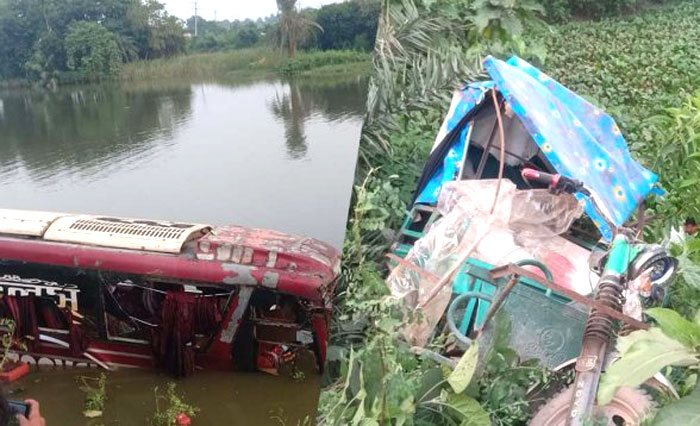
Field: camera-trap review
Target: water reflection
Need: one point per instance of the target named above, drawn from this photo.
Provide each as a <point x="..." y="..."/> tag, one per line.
<point x="298" y="100"/>
<point x="264" y="153"/>
<point x="292" y="109"/>
<point x="87" y="129"/>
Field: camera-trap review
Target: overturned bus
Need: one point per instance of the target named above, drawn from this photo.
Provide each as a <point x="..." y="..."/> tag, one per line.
<point x="107" y="291"/>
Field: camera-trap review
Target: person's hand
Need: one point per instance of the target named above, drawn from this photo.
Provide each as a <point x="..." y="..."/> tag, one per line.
<point x="35" y="418"/>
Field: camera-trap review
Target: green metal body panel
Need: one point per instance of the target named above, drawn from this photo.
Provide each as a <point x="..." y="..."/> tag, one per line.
<point x="619" y="257"/>
<point x="545" y="326"/>
<point x="542" y="324"/>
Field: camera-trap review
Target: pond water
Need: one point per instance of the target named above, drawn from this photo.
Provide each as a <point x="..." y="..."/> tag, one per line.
<point x="222" y="399"/>
<point x="254" y="152"/>
<point x="264" y="153"/>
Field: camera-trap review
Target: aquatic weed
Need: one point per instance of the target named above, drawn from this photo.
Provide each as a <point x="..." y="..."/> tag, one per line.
<point x="169" y="406"/>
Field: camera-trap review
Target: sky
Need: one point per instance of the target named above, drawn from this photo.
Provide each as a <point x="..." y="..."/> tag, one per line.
<point x="231" y="9"/>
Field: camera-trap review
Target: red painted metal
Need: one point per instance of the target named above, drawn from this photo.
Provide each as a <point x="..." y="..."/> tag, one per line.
<point x="230" y="257"/>
<point x="14" y="373"/>
<point x="302" y="266"/>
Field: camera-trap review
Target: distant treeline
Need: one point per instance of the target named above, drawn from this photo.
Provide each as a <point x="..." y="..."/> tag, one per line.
<point x="40" y="39"/>
<point x="348" y="25"/>
<point x="77" y="40"/>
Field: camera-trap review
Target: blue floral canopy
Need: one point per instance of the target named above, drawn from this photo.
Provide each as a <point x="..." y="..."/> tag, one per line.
<point x="578" y="139"/>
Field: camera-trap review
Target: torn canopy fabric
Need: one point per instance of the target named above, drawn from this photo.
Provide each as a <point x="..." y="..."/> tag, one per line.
<point x="578" y="139"/>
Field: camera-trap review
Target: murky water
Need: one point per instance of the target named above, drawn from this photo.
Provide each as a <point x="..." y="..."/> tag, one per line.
<point x="268" y="153"/>
<point x="222" y="399"/>
<point x="263" y="153"/>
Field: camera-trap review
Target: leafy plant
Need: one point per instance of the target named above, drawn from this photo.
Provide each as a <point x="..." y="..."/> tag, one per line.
<point x="635" y="67"/>
<point x="169" y="406"/>
<point x="675" y="146"/>
<point x="312" y="60"/>
<point x="387" y="384"/>
<point x="95" y="395"/>
<point x="685" y="292"/>
<point x="7" y="340"/>
<point x="92" y="50"/>
<point x="294" y="27"/>
<point x="499" y="26"/>
<point x="643" y="353"/>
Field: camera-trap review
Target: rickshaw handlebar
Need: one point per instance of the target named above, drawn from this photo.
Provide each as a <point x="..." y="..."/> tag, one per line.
<point x="556" y="182"/>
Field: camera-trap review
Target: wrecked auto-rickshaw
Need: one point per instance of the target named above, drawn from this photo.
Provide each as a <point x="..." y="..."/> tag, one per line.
<point x="519" y="219"/>
<point x="111" y="292"/>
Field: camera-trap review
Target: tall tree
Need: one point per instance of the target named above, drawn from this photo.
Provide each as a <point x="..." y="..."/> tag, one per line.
<point x="349" y="25"/>
<point x="294" y="28"/>
<point x="92" y="49"/>
<point x="33" y="33"/>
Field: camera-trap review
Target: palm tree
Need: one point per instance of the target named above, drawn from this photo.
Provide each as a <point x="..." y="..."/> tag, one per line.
<point x="293" y="109"/>
<point x="293" y="27"/>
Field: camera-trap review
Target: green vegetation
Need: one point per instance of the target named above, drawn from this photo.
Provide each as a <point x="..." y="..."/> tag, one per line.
<point x="347" y="25"/>
<point x="256" y="59"/>
<point x="35" y="36"/>
<point x="92" y="50"/>
<point x="563" y="10"/>
<point x="7" y="340"/>
<point x="171" y="406"/>
<point x="62" y="41"/>
<point x="315" y="60"/>
<point x="425" y="49"/>
<point x="95" y="395"/>
<point x="293" y="28"/>
<point x="674" y="342"/>
<point x="636" y="68"/>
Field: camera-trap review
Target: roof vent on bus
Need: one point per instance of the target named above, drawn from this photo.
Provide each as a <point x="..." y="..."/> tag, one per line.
<point x="114" y="232"/>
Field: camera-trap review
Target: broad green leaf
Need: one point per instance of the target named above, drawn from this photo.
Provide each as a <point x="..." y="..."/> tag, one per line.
<point x="464" y="371"/>
<point x="473" y="414"/>
<point x="689" y="384"/>
<point x="481" y="21"/>
<point x="685" y="411"/>
<point x="689" y="270"/>
<point x="688" y="182"/>
<point x="676" y="327"/>
<point x="646" y="352"/>
<point x="512" y="25"/>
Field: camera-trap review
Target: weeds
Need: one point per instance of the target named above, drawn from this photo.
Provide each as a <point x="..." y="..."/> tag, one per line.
<point x="200" y="65"/>
<point x="170" y="406"/>
<point x="8" y="339"/>
<point x="311" y="60"/>
<point x="95" y="395"/>
<point x="634" y="67"/>
<point x="259" y="59"/>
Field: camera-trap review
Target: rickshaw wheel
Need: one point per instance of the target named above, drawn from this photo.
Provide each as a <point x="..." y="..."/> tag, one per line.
<point x="629" y="407"/>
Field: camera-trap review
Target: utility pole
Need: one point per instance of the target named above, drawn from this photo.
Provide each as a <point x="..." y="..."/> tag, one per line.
<point x="195" y="18"/>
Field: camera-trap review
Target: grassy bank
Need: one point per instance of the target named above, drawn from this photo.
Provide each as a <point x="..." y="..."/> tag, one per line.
<point x="258" y="60"/>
